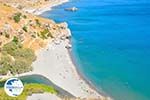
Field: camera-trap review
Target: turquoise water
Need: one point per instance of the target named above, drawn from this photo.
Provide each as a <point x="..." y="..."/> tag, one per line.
<point x="111" y="44"/>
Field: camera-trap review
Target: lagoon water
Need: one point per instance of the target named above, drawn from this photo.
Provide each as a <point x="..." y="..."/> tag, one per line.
<point x="111" y="44"/>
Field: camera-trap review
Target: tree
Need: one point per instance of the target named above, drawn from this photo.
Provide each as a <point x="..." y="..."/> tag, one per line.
<point x="25" y="53"/>
<point x="23" y="58"/>
<point x="20" y="66"/>
<point x="5" y="63"/>
<point x="10" y="47"/>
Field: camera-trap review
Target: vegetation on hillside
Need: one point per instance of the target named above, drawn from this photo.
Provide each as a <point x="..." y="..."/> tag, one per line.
<point x="37" y="22"/>
<point x="20" y="35"/>
<point x="25" y="28"/>
<point x="29" y="89"/>
<point x="45" y="34"/>
<point x="17" y="17"/>
<point x="15" y="58"/>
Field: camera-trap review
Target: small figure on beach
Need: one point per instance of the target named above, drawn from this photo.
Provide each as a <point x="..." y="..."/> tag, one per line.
<point x="73" y="9"/>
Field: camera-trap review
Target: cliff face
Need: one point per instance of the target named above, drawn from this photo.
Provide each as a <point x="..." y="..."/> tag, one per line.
<point x="33" y="31"/>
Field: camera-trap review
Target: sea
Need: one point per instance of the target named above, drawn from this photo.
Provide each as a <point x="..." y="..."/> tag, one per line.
<point x="111" y="44"/>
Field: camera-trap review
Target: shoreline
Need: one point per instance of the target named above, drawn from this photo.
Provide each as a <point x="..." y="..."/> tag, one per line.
<point x="73" y="69"/>
<point x="44" y="8"/>
<point x="62" y="67"/>
<point x="48" y="8"/>
<point x="82" y="76"/>
<point x="62" y="71"/>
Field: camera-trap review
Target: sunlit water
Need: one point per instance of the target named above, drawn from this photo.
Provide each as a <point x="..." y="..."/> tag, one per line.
<point x="111" y="43"/>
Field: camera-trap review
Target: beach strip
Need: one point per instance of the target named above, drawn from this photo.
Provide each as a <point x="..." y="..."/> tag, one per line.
<point x="54" y="63"/>
<point x="44" y="8"/>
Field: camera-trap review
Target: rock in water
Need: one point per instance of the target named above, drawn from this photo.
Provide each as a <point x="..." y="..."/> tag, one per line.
<point x="71" y="9"/>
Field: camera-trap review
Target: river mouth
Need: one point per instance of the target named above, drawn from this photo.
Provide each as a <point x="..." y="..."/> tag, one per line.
<point x="42" y="80"/>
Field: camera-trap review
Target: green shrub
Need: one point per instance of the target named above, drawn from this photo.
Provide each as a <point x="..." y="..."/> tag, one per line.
<point x="23" y="58"/>
<point x="33" y="35"/>
<point x="5" y="63"/>
<point x="20" y="66"/>
<point x="15" y="40"/>
<point x="3" y="71"/>
<point x="25" y="53"/>
<point x="37" y="22"/>
<point x="5" y="59"/>
<point x="17" y="17"/>
<point x="44" y="33"/>
<point x="25" y="28"/>
<point x="10" y="47"/>
<point x="24" y="16"/>
<point x="50" y="35"/>
<point x="7" y="35"/>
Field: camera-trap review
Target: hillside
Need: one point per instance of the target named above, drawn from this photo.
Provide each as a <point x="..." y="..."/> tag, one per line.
<point x="35" y="26"/>
<point x="21" y="35"/>
<point x="21" y="4"/>
<point x="32" y="6"/>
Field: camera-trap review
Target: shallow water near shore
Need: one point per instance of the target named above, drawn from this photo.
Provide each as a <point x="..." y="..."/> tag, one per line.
<point x="111" y="44"/>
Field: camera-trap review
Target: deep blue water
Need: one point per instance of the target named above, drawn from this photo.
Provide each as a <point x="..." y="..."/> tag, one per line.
<point x="111" y="43"/>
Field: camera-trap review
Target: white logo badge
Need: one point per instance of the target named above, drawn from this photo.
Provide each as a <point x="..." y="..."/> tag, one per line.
<point x="13" y="87"/>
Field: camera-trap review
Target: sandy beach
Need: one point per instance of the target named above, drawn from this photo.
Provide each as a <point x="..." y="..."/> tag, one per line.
<point x="54" y="63"/>
<point x="44" y="8"/>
